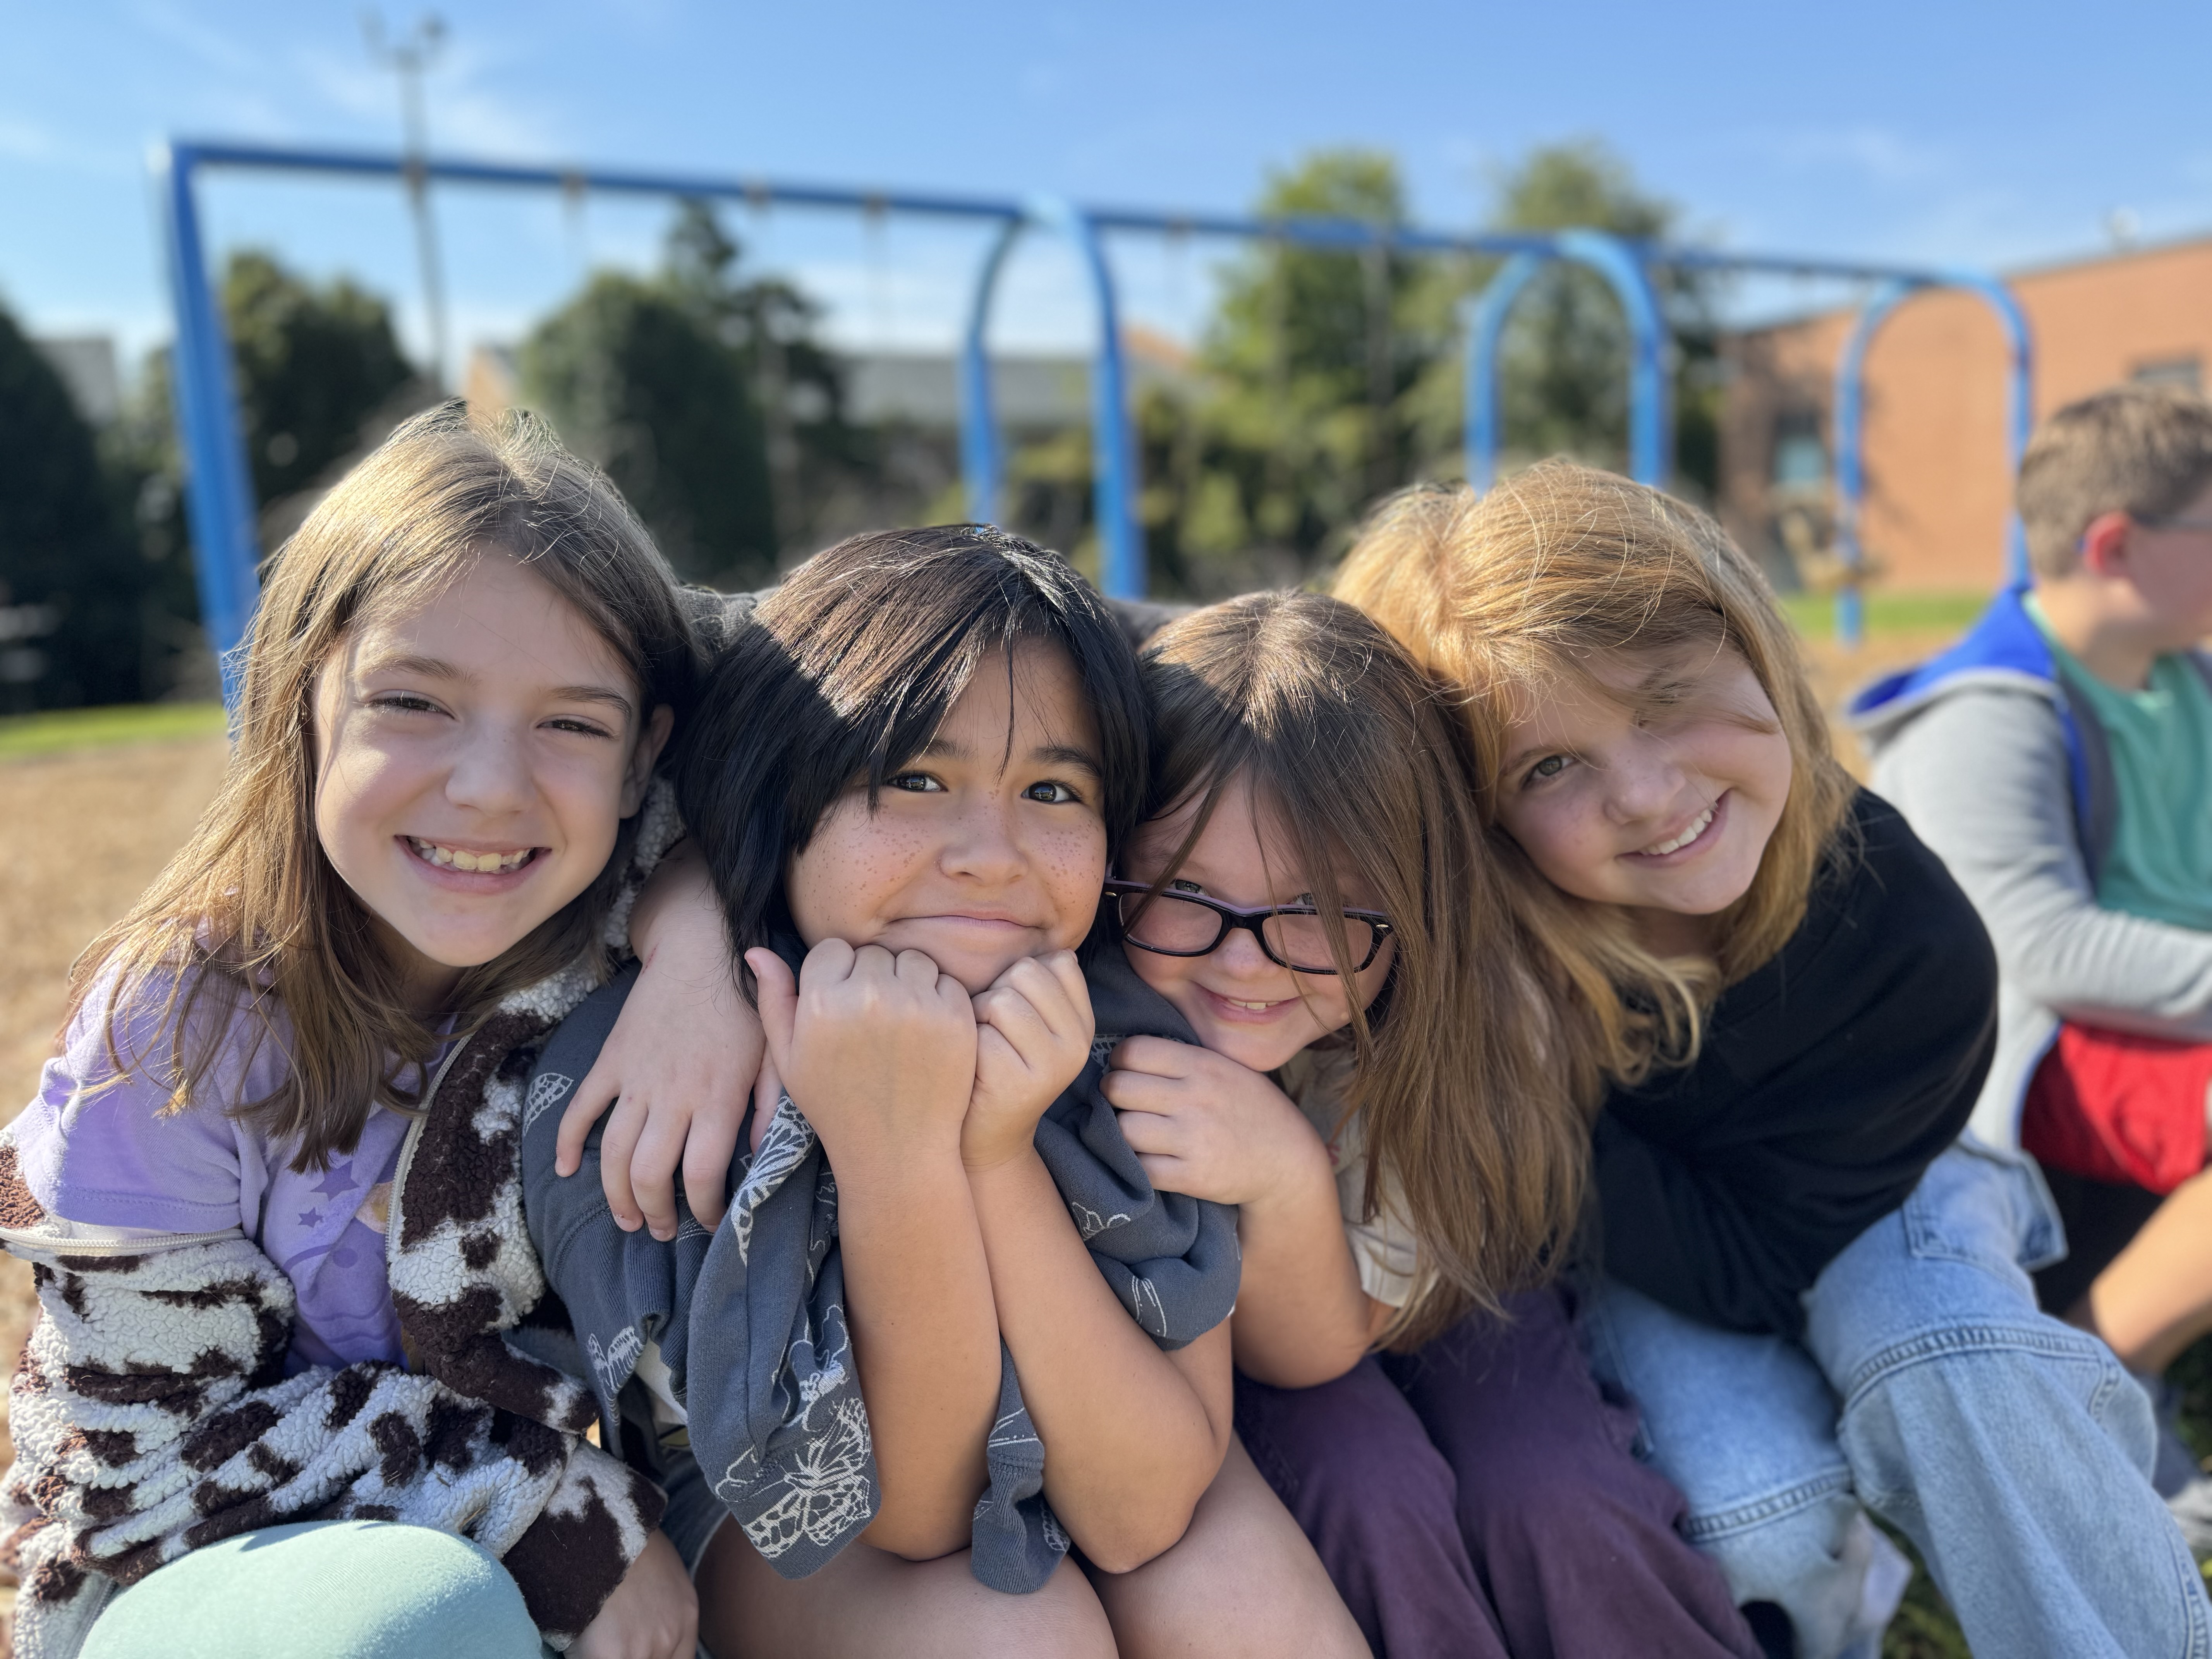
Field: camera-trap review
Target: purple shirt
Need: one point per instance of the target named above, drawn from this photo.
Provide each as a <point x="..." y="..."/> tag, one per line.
<point x="112" y="1159"/>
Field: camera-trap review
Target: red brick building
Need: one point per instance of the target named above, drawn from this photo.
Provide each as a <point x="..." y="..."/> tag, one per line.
<point x="1938" y="487"/>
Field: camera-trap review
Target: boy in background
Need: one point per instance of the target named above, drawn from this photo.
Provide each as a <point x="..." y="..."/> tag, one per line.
<point x="2059" y="761"/>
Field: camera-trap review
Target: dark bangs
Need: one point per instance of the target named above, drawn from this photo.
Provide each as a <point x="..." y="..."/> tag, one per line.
<point x="846" y="672"/>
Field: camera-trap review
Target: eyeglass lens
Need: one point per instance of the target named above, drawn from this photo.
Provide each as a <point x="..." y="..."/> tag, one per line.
<point x="1168" y="923"/>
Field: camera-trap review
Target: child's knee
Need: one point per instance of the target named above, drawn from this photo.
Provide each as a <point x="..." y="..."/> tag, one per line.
<point x="378" y="1589"/>
<point x="1347" y="1455"/>
<point x="1063" y="1620"/>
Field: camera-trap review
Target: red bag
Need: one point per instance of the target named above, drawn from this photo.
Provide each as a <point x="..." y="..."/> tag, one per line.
<point x="2115" y="1107"/>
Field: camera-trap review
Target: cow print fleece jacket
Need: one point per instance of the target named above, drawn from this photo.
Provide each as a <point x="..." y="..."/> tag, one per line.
<point x="152" y="1413"/>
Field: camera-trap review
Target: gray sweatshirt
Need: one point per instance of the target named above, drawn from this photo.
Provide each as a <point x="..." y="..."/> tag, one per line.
<point x="2004" y="775"/>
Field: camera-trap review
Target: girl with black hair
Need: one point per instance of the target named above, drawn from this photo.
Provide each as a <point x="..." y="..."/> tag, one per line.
<point x="905" y="785"/>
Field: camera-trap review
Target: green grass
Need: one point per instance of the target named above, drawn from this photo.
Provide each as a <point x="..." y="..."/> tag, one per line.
<point x="25" y="735"/>
<point x="1924" y="1627"/>
<point x="1814" y="615"/>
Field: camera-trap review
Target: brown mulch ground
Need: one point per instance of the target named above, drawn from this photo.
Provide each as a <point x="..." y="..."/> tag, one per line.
<point x="83" y="834"/>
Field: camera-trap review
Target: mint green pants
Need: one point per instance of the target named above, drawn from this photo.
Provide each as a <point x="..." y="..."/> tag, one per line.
<point x="322" y="1589"/>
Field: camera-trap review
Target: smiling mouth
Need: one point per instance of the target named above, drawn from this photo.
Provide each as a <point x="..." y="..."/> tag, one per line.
<point x="1245" y="1006"/>
<point x="1691" y="832"/>
<point x="473" y="863"/>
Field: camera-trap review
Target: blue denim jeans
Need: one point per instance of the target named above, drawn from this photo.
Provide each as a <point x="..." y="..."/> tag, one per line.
<point x="2011" y="1449"/>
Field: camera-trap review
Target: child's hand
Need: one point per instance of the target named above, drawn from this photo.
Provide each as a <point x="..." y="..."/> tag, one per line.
<point x="879" y="1051"/>
<point x="652" y="1615"/>
<point x="1033" y="1030"/>
<point x="680" y="1064"/>
<point x="1201" y="1124"/>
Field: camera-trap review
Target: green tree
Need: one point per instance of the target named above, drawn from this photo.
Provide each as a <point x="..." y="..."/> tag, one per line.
<point x="707" y="398"/>
<point x="70" y="581"/>
<point x="1564" y="386"/>
<point x="1298" y="416"/>
<point x="313" y="363"/>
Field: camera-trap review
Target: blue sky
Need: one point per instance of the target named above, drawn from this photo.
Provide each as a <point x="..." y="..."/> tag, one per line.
<point x="1981" y="134"/>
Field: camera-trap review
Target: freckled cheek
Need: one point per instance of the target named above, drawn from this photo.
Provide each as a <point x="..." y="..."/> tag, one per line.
<point x="1562" y="836"/>
<point x="855" y="872"/>
<point x="1073" y="865"/>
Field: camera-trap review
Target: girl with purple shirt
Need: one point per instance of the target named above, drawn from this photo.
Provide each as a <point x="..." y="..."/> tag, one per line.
<point x="269" y="1185"/>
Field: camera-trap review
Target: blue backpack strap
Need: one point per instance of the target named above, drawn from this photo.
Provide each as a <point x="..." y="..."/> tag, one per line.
<point x="2089" y="764"/>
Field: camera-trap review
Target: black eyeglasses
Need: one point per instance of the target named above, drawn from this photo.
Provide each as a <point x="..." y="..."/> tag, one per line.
<point x="1295" y="936"/>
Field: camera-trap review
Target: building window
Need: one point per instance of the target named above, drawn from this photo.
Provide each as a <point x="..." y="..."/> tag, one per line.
<point x="1801" y="456"/>
<point x="2187" y="372"/>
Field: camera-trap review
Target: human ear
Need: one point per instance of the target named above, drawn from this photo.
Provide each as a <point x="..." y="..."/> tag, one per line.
<point x="638" y="773"/>
<point x="2105" y="543"/>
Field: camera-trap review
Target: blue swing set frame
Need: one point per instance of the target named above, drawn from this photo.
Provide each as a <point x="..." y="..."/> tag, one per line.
<point x="218" y="483"/>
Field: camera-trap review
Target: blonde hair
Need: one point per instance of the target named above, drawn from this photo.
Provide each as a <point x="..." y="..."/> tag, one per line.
<point x="1346" y="741"/>
<point x="249" y="918"/>
<point x="1509" y="594"/>
<point x="2145" y="451"/>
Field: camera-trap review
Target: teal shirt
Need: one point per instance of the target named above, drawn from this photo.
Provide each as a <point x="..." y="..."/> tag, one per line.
<point x="2159" y="865"/>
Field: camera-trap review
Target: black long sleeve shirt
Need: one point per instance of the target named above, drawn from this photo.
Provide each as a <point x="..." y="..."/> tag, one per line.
<point x="1828" y="1081"/>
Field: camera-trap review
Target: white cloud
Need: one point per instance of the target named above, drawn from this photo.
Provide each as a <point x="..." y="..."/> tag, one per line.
<point x="1879" y="154"/>
<point x="465" y="116"/>
<point x="214" y="48"/>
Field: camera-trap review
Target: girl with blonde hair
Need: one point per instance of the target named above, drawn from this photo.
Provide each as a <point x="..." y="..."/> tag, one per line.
<point x="1780" y="1008"/>
<point x="269" y="1184"/>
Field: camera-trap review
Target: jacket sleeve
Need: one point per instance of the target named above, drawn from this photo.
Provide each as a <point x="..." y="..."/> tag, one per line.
<point x="1984" y="778"/>
<point x="152" y="1415"/>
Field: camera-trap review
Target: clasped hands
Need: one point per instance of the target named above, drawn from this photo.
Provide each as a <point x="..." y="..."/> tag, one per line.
<point x="887" y="1055"/>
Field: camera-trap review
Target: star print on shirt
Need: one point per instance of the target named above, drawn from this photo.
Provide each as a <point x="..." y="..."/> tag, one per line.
<point x="338" y="1179"/>
<point x="311" y="1218"/>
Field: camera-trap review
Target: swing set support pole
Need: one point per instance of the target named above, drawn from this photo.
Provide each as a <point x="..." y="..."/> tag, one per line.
<point x="1850" y="418"/>
<point x="220" y="494"/>
<point x="981" y="464"/>
<point x="218" y="483"/>
<point x="1651" y="393"/>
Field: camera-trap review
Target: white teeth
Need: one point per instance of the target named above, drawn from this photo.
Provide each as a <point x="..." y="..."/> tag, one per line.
<point x="1256" y="1007"/>
<point x="1696" y="829"/>
<point x="459" y="857"/>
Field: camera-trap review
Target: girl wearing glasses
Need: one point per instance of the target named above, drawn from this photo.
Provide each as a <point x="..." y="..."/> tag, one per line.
<point x="1375" y="1090"/>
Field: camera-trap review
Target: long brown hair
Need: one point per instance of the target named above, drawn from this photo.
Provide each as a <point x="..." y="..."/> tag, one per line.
<point x="1364" y="770"/>
<point x="1509" y="594"/>
<point x="249" y="921"/>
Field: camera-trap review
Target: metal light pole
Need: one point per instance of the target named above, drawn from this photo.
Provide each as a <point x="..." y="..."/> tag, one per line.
<point x="409" y="59"/>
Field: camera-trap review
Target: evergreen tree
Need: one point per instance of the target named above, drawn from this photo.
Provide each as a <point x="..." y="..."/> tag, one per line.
<point x="1563" y="388"/>
<point x="1328" y="379"/>
<point x="709" y="400"/>
<point x="1298" y="416"/>
<point x="70" y="581"/>
<point x="312" y="362"/>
